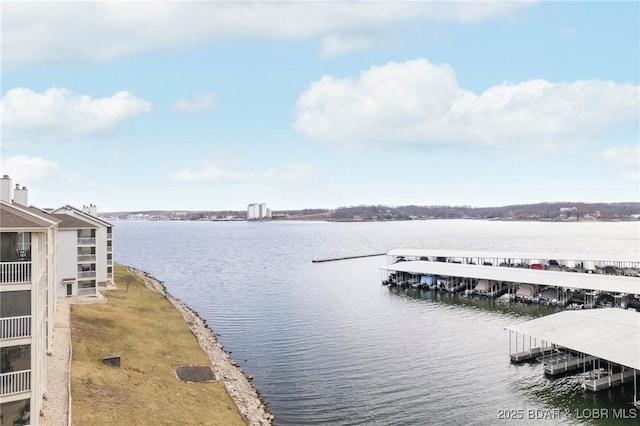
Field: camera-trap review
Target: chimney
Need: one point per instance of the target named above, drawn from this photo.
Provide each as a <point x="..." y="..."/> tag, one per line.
<point x="90" y="209"/>
<point x="21" y="196"/>
<point x="6" y="192"/>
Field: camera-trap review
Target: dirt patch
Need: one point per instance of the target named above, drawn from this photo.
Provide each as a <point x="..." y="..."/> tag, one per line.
<point x="195" y="373"/>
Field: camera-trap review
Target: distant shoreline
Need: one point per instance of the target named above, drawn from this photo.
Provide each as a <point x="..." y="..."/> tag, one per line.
<point x="295" y="219"/>
<point x="243" y="393"/>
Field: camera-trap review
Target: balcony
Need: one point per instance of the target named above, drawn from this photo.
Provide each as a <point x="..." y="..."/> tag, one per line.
<point x="109" y="249"/>
<point x="86" y="258"/>
<point x="15" y="272"/>
<point x="15" y="382"/>
<point x="87" y="241"/>
<point x="86" y="274"/>
<point x="109" y="275"/>
<point x="109" y="235"/>
<point x="109" y="261"/>
<point x="15" y="327"/>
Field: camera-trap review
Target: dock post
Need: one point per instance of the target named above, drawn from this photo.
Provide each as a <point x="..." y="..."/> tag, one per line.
<point x="635" y="391"/>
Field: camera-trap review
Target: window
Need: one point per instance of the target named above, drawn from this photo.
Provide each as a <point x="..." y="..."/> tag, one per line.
<point x="86" y="284"/>
<point x="23" y="241"/>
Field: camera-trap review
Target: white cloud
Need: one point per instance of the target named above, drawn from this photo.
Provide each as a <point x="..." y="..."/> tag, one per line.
<point x="626" y="160"/>
<point x="199" y="102"/>
<point x="212" y="172"/>
<point x="337" y="45"/>
<point x="417" y="103"/>
<point x="60" y="113"/>
<point x="61" y="32"/>
<point x="23" y="168"/>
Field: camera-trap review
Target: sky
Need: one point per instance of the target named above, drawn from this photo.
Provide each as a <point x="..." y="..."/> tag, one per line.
<point x="209" y="105"/>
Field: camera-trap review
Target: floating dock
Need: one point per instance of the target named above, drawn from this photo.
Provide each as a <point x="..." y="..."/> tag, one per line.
<point x="333" y="259"/>
<point x="576" y="281"/>
<point x="583" y="340"/>
<point x="529" y="355"/>
<point x="566" y="363"/>
<point x="576" y="262"/>
<point x="609" y="381"/>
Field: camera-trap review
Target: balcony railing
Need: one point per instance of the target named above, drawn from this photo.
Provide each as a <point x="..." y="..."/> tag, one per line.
<point x="109" y="249"/>
<point x="109" y="275"/>
<point x="15" y="272"/>
<point x="109" y="235"/>
<point x="87" y="290"/>
<point x="15" y="327"/>
<point x="86" y="258"/>
<point x="109" y="261"/>
<point x="86" y="240"/>
<point x="15" y="382"/>
<point x="86" y="274"/>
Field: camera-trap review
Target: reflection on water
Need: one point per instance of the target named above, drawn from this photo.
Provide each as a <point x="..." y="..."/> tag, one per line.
<point x="328" y="344"/>
<point x="529" y="310"/>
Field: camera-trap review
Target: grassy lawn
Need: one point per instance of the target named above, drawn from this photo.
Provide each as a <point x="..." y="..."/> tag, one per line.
<point x="152" y="339"/>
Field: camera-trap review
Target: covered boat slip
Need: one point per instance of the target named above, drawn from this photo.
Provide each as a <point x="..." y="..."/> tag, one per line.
<point x="591" y="282"/>
<point x="582" y="261"/>
<point x="583" y="340"/>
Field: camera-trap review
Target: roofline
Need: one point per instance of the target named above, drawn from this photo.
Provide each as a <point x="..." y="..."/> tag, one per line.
<point x="619" y="324"/>
<point x="5" y="230"/>
<point x="88" y="216"/>
<point x="44" y="214"/>
<point x="24" y="210"/>
<point x="511" y="255"/>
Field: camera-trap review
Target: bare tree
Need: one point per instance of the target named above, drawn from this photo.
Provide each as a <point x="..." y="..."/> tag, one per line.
<point x="128" y="279"/>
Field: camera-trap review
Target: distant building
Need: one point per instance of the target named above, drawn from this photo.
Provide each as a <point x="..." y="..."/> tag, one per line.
<point x="85" y="251"/>
<point x="258" y="211"/>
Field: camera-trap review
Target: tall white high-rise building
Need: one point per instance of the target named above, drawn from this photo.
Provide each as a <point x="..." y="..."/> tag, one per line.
<point x="258" y="211"/>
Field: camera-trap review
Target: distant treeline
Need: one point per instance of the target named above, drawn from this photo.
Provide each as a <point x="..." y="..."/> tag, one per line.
<point x="539" y="211"/>
<point x="548" y="211"/>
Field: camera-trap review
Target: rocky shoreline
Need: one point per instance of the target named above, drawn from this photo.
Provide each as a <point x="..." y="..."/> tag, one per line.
<point x="243" y="393"/>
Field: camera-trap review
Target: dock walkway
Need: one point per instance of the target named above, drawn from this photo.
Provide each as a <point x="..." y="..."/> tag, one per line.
<point x="529" y="355"/>
<point x="565" y="364"/>
<point x="608" y="381"/>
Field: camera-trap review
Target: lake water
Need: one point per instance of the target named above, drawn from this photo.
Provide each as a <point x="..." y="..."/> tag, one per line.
<point x="327" y="343"/>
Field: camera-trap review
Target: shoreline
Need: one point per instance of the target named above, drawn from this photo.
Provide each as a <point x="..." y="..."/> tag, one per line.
<point x="252" y="408"/>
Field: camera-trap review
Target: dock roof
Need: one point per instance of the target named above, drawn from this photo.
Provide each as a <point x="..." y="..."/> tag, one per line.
<point x="611" y="334"/>
<point x="579" y="280"/>
<point x="515" y="255"/>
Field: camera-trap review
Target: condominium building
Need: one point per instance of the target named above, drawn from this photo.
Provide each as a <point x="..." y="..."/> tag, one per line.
<point x="43" y="255"/>
<point x="85" y="258"/>
<point x="27" y="276"/>
<point x="77" y="259"/>
<point x="258" y="211"/>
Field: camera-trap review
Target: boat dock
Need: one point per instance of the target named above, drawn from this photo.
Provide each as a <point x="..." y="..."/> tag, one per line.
<point x="572" y="262"/>
<point x="583" y="341"/>
<point x="530" y="354"/>
<point x="609" y="381"/>
<point x="333" y="259"/>
<point x="565" y="363"/>
<point x="576" y="281"/>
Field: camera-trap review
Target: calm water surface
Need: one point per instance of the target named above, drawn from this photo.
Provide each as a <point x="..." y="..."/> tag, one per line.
<point x="327" y="343"/>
